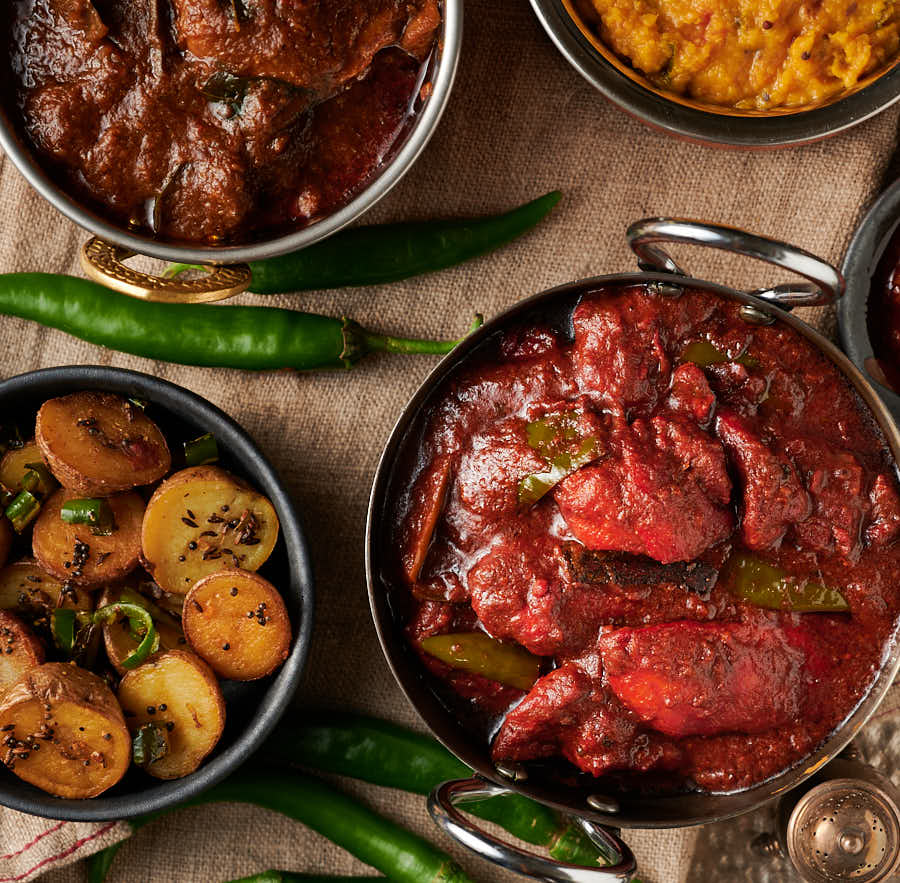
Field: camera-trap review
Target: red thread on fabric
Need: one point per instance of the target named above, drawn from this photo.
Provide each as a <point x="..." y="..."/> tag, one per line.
<point x="28" y="846"/>
<point x="884" y="713"/>
<point x="54" y="858"/>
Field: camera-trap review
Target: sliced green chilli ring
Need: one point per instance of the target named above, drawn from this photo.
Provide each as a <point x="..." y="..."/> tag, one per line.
<point x="141" y="623"/>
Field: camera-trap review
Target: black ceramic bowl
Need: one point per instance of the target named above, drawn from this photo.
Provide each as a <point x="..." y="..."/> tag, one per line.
<point x="871" y="238"/>
<point x="253" y="708"/>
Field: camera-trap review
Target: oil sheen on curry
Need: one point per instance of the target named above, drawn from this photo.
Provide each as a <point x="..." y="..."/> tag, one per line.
<point x="218" y="120"/>
<point x="660" y="544"/>
<point x="750" y="55"/>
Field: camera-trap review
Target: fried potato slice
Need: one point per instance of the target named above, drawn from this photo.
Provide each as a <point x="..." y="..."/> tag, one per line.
<point x="203" y="520"/>
<point x="14" y="465"/>
<point x="179" y="691"/>
<point x="20" y="650"/>
<point x="117" y="637"/>
<point x="64" y="731"/>
<point x="92" y="560"/>
<point x="31" y="593"/>
<point x="98" y="444"/>
<point x="238" y="623"/>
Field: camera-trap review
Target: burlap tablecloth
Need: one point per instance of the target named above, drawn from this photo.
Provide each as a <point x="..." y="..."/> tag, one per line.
<point x="520" y="122"/>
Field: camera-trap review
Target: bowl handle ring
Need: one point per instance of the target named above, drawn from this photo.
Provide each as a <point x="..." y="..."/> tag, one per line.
<point x="104" y="262"/>
<point x="442" y="807"/>
<point x="824" y="286"/>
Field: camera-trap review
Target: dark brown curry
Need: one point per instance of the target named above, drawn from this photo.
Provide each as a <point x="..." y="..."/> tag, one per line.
<point x="218" y="120"/>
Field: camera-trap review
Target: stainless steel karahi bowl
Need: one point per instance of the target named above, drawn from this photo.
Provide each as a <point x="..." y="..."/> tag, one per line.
<point x="103" y="256"/>
<point x="690" y="120"/>
<point x="598" y="808"/>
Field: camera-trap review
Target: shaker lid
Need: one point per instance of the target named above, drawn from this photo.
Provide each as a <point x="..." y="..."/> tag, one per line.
<point x="845" y="829"/>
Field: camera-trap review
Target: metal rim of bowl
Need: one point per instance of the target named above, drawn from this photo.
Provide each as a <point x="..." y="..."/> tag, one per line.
<point x="693" y="124"/>
<point x="641" y="811"/>
<point x="869" y="241"/>
<point x="386" y="177"/>
<point x="278" y="691"/>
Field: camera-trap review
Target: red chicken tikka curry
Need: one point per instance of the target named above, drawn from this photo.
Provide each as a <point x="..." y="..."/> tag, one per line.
<point x="660" y="544"/>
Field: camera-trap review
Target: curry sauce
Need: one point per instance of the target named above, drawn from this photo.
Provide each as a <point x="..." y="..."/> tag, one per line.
<point x="650" y="539"/>
<point x="209" y="121"/>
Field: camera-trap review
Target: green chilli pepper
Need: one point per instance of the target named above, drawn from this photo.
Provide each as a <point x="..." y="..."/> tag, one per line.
<point x="376" y="255"/>
<point x="753" y="580"/>
<point x="202" y="450"/>
<point x="142" y="629"/>
<point x="702" y="353"/>
<point x="290" y="877"/>
<point x="23" y="510"/>
<point x="401" y="855"/>
<point x="481" y="654"/>
<point x="94" y="512"/>
<point x="388" y="755"/>
<point x="251" y="338"/>
<point x="553" y="437"/>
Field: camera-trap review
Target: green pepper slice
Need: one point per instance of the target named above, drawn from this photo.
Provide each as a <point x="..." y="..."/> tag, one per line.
<point x="553" y="437"/>
<point x="481" y="654"/>
<point x="142" y="628"/>
<point x="753" y="580"/>
<point x="702" y="353"/>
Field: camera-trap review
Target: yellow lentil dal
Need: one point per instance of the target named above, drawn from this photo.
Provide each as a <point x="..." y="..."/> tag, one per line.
<point x="751" y="54"/>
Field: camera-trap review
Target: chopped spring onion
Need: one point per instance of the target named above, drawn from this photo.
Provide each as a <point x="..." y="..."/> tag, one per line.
<point x="23" y="510"/>
<point x="94" y="512"/>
